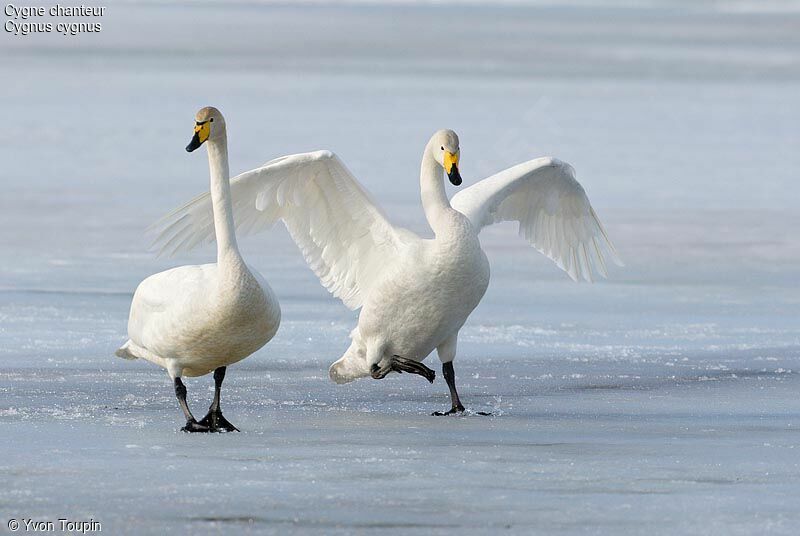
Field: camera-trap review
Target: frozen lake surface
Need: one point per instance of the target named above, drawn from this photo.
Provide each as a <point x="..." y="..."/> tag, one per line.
<point x="662" y="401"/>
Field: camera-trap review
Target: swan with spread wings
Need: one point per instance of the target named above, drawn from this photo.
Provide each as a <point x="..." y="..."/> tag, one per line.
<point x="415" y="294"/>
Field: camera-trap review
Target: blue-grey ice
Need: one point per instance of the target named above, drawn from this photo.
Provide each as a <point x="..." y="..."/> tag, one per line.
<point x="663" y="400"/>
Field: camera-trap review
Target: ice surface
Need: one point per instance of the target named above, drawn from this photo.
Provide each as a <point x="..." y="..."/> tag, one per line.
<point x="662" y="401"/>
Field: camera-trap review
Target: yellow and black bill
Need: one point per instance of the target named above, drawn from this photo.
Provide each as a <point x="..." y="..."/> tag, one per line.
<point x="202" y="129"/>
<point x="451" y="168"/>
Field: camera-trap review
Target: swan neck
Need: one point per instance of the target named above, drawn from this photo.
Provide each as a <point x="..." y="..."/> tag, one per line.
<point x="434" y="196"/>
<point x="227" y="248"/>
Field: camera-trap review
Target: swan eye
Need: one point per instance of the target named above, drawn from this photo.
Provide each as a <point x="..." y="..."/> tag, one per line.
<point x="442" y="147"/>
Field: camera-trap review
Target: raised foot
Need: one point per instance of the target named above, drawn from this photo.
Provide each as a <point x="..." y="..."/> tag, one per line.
<point x="401" y="364"/>
<point x="216" y="422"/>
<point x="194" y="426"/>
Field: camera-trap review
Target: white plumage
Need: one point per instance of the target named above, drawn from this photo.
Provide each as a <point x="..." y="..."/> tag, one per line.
<point x="414" y="294"/>
<point x="552" y="209"/>
<point x="344" y="236"/>
<point x="193" y="320"/>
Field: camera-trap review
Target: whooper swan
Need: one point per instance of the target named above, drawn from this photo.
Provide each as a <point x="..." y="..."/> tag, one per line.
<point x="192" y="320"/>
<point x="414" y="293"/>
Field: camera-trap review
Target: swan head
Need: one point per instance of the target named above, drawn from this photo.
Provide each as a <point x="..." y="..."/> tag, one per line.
<point x="208" y="125"/>
<point x="445" y="149"/>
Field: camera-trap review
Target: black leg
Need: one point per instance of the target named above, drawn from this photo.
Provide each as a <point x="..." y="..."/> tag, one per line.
<point x="191" y="424"/>
<point x="214" y="420"/>
<point x="450" y="377"/>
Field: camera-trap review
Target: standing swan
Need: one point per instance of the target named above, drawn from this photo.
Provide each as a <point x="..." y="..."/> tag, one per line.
<point x="195" y="319"/>
<point x="414" y="294"/>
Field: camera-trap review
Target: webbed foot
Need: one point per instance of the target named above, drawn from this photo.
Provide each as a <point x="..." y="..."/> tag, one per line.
<point x="215" y="421"/>
<point x="194" y="426"/>
<point x="459" y="409"/>
<point x="452" y="411"/>
<point x="402" y="364"/>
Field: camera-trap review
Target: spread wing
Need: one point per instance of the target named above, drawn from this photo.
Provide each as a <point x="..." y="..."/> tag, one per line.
<point x="552" y="209"/>
<point x="343" y="235"/>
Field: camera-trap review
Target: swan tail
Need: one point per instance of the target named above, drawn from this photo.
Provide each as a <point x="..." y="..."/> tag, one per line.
<point x="125" y="352"/>
<point x="350" y="367"/>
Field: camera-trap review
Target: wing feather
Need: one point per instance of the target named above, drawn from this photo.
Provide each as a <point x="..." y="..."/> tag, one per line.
<point x="342" y="234"/>
<point x="553" y="212"/>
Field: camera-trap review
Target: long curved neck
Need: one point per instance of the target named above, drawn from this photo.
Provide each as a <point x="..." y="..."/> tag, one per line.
<point x="227" y="248"/>
<point x="434" y="197"/>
